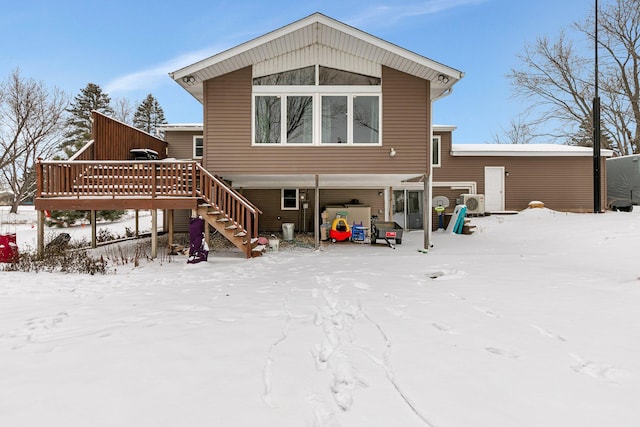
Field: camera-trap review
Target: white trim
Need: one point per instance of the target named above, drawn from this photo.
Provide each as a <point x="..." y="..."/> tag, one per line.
<point x="524" y="150"/>
<point x="316" y="18"/>
<point x="195" y="156"/>
<point x="313" y="31"/>
<point x="470" y="186"/>
<point x="297" y="207"/>
<point x="439" y="164"/>
<point x="181" y="127"/>
<point x="317" y="93"/>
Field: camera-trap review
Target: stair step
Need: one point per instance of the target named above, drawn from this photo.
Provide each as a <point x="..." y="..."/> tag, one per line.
<point x="255" y="239"/>
<point x="259" y="248"/>
<point x="222" y="220"/>
<point x="204" y="205"/>
<point x="214" y="213"/>
<point x="240" y="234"/>
<point x="231" y="227"/>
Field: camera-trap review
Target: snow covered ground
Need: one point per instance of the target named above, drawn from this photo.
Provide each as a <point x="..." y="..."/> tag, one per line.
<point x="533" y="320"/>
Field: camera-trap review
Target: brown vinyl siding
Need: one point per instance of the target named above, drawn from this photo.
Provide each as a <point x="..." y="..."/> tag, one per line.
<point x="563" y="183"/>
<point x="180" y="144"/>
<point x="228" y="149"/>
<point x="268" y="201"/>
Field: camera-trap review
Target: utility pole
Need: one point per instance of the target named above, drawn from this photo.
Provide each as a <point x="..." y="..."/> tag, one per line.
<point x="596" y="127"/>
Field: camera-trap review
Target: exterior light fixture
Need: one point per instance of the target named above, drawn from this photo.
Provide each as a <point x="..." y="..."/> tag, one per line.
<point x="443" y="79"/>
<point x="392" y="153"/>
<point x="188" y="79"/>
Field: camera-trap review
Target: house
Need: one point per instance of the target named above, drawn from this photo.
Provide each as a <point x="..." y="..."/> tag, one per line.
<point x="316" y="114"/>
<point x="509" y="176"/>
<point x="313" y="115"/>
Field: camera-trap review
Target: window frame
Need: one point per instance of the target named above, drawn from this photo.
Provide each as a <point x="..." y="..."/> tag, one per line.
<point x="316" y="93"/>
<point x="437" y="138"/>
<point x="195" y="146"/>
<point x="282" y="199"/>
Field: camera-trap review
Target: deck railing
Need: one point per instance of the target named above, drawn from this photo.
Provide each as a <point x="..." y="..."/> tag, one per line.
<point x="144" y="179"/>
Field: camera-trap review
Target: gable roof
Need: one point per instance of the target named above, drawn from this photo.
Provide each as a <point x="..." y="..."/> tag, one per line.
<point x="317" y="29"/>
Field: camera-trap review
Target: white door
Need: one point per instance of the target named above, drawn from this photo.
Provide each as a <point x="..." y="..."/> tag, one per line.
<point x="494" y="188"/>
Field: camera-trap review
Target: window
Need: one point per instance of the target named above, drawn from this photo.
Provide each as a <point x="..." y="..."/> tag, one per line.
<point x="299" y="119"/>
<point x="301" y="76"/>
<point x="291" y="108"/>
<point x="333" y="77"/>
<point x="435" y="151"/>
<point x="334" y="119"/>
<point x="198" y="146"/>
<point x="289" y="199"/>
<point x="366" y="118"/>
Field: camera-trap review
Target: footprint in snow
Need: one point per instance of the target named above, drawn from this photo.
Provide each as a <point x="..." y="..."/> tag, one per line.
<point x="396" y="312"/>
<point x="488" y="312"/>
<point x="362" y="286"/>
<point x="458" y="297"/>
<point x="443" y="328"/>
<point x="504" y="353"/>
<point x="548" y="333"/>
<point x="598" y="370"/>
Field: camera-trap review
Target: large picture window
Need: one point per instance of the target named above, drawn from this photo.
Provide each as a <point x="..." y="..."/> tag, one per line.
<point x="341" y="108"/>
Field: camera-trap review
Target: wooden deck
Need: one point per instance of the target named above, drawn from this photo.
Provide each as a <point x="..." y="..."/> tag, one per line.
<point x="162" y="184"/>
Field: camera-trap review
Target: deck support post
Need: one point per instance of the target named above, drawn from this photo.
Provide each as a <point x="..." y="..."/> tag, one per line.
<point x="169" y="213"/>
<point x="154" y="233"/>
<point x="426" y="210"/>
<point x="94" y="239"/>
<point x="316" y="211"/>
<point x="137" y="223"/>
<point x="207" y="233"/>
<point x="40" y="236"/>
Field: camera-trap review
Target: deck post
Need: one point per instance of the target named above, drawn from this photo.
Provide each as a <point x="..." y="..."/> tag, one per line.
<point x="316" y="212"/>
<point x="170" y="227"/>
<point x="154" y="233"/>
<point x="40" y="236"/>
<point x="137" y="223"/>
<point x="207" y="233"/>
<point x="94" y="239"/>
<point x="426" y="210"/>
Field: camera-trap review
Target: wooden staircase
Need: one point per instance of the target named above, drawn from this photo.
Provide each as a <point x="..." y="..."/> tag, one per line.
<point x="230" y="229"/>
<point x="229" y="212"/>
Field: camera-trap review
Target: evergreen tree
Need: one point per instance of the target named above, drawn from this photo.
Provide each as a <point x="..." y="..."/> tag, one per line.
<point x="79" y="123"/>
<point x="149" y="115"/>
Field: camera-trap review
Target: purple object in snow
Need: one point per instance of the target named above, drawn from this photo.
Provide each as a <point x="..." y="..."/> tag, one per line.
<point x="198" y="250"/>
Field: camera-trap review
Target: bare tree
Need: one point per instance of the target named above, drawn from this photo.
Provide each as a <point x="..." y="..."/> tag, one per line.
<point x="31" y="127"/>
<point x="560" y="82"/>
<point x="520" y="131"/>
<point x="123" y="110"/>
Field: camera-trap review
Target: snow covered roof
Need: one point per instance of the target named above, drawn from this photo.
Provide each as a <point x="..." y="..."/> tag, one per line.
<point x="552" y="150"/>
<point x="181" y="127"/>
<point x="316" y="30"/>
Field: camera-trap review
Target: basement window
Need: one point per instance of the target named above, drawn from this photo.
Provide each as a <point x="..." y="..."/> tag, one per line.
<point x="289" y="199"/>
